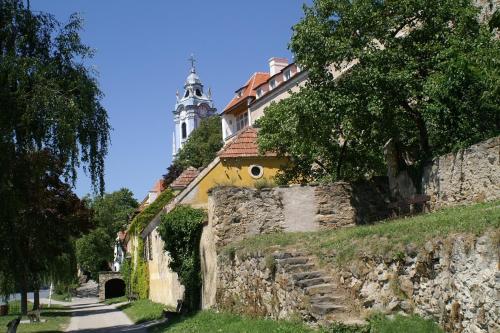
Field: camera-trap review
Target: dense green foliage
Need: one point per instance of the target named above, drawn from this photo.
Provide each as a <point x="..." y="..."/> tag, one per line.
<point x="112" y="210"/>
<point x="51" y="123"/>
<point x="139" y="277"/>
<point x="385" y="239"/>
<point x="143" y="310"/>
<point x="126" y="271"/>
<point x="424" y="73"/>
<point x="93" y="252"/>
<point x="200" y="149"/>
<point x="111" y="213"/>
<point x="180" y="230"/>
<point x="142" y="219"/>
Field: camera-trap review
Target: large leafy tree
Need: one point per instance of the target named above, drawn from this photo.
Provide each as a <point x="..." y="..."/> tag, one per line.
<point x="49" y="105"/>
<point x="420" y="72"/>
<point x="111" y="214"/>
<point x="45" y="230"/>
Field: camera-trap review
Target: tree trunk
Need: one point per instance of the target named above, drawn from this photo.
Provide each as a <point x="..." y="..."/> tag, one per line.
<point x="36" y="299"/>
<point x="24" y="298"/>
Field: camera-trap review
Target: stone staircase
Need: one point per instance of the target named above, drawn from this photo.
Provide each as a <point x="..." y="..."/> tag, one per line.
<point x="328" y="302"/>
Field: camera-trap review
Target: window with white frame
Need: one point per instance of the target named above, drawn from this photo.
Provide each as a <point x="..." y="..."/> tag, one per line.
<point x="272" y="84"/>
<point x="287" y="75"/>
<point x="259" y="92"/>
<point x="241" y="121"/>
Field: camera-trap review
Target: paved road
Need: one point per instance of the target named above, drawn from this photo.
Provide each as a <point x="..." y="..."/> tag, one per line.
<point x="90" y="316"/>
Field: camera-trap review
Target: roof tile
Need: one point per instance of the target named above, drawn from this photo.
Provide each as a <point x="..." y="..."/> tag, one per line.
<point x="186" y="177"/>
<point x="243" y="145"/>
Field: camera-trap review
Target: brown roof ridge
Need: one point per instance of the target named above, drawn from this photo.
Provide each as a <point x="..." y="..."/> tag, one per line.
<point x="185" y="178"/>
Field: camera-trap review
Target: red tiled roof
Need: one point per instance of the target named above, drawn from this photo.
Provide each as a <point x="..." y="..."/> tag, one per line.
<point x="248" y="89"/>
<point x="186" y="177"/>
<point x="243" y="145"/>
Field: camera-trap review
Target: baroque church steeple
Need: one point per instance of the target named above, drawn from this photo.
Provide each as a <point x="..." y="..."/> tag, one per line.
<point x="191" y="107"/>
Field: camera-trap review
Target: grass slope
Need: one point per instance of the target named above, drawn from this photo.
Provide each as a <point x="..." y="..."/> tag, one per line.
<point x="55" y="316"/>
<point x="209" y="321"/>
<point x="387" y="238"/>
<point x="212" y="322"/>
<point x="143" y="310"/>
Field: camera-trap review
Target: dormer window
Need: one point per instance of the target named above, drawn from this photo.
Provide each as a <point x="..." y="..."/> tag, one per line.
<point x="272" y="84"/>
<point x="186" y="94"/>
<point x="239" y="93"/>
<point x="198" y="92"/>
<point x="259" y="92"/>
<point x="287" y="75"/>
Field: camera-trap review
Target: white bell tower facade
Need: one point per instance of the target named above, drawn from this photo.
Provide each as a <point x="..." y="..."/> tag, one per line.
<point x="190" y="108"/>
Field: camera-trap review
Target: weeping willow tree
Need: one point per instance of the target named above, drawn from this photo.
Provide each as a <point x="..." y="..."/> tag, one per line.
<point x="49" y="107"/>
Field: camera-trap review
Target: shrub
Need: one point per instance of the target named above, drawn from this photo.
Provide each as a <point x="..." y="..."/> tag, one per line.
<point x="181" y="231"/>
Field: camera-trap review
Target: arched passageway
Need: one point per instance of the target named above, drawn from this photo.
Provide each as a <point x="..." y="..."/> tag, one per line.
<point x="114" y="288"/>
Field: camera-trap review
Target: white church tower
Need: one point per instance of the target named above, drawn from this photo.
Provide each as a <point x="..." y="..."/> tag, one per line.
<point x="191" y="108"/>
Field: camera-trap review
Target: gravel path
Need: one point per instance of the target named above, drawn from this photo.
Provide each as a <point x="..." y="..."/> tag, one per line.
<point x="89" y="316"/>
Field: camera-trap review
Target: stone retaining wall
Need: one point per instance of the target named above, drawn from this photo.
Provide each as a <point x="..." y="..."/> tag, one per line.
<point x="455" y="282"/>
<point x="468" y="176"/>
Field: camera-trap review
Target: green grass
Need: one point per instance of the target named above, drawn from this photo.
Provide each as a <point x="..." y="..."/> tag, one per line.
<point x="410" y="324"/>
<point x="143" y="310"/>
<point x="66" y="297"/>
<point x="386" y="238"/>
<point x="56" y="318"/>
<point x="212" y="322"/>
<point x="116" y="300"/>
<point x="209" y="321"/>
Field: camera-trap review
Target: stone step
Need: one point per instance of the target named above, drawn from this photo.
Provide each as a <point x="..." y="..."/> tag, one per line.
<point x="308" y="275"/>
<point x="328" y="298"/>
<point x="327" y="308"/>
<point x="299" y="268"/>
<point x="313" y="282"/>
<point x="285" y="255"/>
<point x="321" y="289"/>
<point x="292" y="261"/>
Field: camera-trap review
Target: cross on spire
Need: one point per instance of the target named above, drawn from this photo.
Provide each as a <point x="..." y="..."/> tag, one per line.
<point x="193" y="61"/>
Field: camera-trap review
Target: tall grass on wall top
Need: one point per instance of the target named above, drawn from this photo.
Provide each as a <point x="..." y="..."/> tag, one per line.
<point x="143" y="218"/>
<point x="181" y="231"/>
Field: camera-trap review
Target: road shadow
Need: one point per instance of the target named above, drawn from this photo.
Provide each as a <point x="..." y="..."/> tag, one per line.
<point x="138" y="328"/>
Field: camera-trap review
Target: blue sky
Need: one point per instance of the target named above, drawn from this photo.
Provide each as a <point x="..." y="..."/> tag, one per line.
<point x="142" y="49"/>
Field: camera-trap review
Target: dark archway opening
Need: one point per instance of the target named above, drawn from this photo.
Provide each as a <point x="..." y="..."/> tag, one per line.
<point x="114" y="288"/>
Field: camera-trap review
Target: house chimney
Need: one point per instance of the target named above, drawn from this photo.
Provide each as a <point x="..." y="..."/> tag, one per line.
<point x="276" y="65"/>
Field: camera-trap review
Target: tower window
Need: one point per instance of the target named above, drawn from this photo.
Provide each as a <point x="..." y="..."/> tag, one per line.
<point x="186" y="94"/>
<point x="184" y="130"/>
<point x="198" y="92"/>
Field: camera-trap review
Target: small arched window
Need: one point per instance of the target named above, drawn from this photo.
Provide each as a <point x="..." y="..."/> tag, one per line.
<point x="198" y="92"/>
<point x="184" y="130"/>
<point x="186" y="94"/>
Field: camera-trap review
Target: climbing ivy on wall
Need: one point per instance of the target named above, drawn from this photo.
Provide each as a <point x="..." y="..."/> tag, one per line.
<point x="143" y="218"/>
<point x="181" y="230"/>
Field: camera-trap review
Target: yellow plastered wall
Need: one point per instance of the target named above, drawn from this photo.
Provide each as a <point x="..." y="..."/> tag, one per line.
<point x="232" y="172"/>
<point x="164" y="285"/>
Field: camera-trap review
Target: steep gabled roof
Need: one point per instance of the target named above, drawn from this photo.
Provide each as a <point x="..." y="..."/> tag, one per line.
<point x="184" y="179"/>
<point x="243" y="144"/>
<point x="248" y="90"/>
